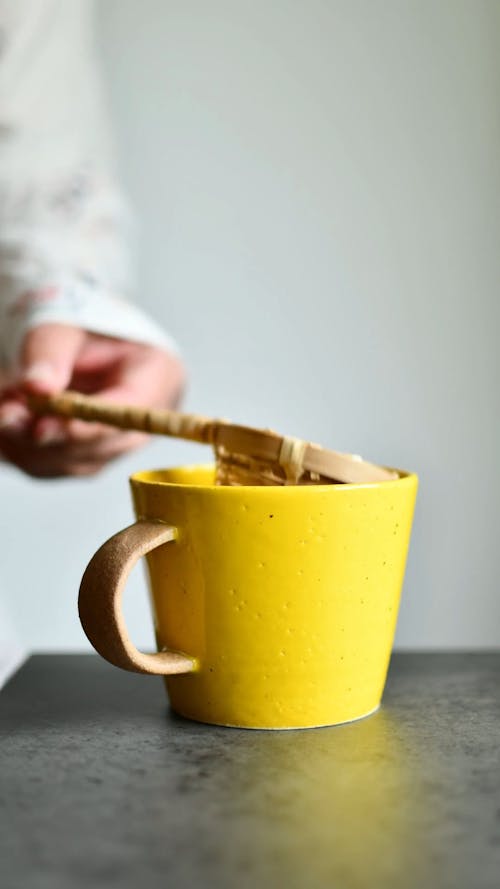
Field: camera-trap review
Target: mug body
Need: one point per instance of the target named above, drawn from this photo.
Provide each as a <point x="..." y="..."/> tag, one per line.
<point x="287" y="596"/>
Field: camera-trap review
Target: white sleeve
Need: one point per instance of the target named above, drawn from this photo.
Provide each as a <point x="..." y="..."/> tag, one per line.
<point x="63" y="221"/>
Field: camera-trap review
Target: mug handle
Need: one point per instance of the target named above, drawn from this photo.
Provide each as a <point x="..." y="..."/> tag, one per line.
<point x="99" y="601"/>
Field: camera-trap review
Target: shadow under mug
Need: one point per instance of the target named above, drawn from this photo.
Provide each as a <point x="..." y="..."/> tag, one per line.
<point x="274" y="607"/>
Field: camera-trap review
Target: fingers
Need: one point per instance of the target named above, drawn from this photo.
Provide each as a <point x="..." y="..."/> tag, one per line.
<point x="48" y="356"/>
<point x="46" y="362"/>
<point x="148" y="376"/>
<point x="54" y="430"/>
<point x="53" y="460"/>
<point x="49" y="431"/>
<point x="55" y="357"/>
<point x="15" y="418"/>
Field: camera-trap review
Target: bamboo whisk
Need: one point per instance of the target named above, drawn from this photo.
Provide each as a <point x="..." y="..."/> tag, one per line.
<point x="244" y="456"/>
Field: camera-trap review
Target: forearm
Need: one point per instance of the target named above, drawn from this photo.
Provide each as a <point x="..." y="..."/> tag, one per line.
<point x="63" y="222"/>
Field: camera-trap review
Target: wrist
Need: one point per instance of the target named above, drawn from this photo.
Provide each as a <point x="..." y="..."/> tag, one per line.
<point x="79" y="303"/>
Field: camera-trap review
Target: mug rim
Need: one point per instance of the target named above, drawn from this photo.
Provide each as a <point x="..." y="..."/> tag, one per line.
<point x="140" y="477"/>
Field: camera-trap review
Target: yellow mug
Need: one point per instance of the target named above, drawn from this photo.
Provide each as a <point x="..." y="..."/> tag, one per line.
<point x="274" y="607"/>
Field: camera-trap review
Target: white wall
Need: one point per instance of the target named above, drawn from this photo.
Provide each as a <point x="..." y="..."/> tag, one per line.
<point x="318" y="186"/>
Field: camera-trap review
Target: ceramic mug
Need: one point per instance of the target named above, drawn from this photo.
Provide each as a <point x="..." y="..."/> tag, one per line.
<point x="274" y="607"/>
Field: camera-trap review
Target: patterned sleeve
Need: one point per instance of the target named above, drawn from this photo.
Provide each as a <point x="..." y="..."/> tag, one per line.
<point x="63" y="222"/>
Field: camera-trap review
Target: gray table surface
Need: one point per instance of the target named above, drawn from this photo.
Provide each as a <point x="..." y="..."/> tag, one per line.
<point x="101" y="785"/>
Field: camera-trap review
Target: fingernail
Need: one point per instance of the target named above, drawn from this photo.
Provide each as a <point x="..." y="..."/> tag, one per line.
<point x="12" y="419"/>
<point x="50" y="437"/>
<point x="40" y="372"/>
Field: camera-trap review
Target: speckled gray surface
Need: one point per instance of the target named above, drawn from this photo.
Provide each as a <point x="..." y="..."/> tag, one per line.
<point x="101" y="786"/>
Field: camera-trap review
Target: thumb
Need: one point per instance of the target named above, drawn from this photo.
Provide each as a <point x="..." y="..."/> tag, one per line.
<point x="48" y="356"/>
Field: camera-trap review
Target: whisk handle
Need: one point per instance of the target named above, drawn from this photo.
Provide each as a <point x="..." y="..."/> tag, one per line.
<point x="156" y="421"/>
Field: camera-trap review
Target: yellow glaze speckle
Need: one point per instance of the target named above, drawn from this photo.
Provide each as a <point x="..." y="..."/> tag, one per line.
<point x="287" y="596"/>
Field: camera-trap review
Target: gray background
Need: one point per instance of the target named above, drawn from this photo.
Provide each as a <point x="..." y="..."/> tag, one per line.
<point x="318" y="190"/>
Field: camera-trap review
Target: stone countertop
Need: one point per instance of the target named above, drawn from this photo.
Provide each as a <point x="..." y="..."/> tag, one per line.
<point x="102" y="786"/>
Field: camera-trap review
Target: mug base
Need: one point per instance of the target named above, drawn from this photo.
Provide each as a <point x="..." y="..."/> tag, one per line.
<point x="278" y="728"/>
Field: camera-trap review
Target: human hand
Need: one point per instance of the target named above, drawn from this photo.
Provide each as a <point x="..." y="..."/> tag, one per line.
<point x="55" y="357"/>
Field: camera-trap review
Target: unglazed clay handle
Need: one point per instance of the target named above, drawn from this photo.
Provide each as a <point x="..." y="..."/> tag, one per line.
<point x="100" y="598"/>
